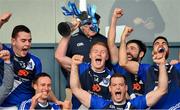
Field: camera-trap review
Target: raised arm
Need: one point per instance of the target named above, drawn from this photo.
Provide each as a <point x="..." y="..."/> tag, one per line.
<point x="60" y="53"/>
<point x="153" y="96"/>
<point x="112" y="34"/>
<point x="8" y="79"/>
<point x="61" y="50"/>
<point x="83" y="96"/>
<point x="131" y="66"/>
<point x="3" y="19"/>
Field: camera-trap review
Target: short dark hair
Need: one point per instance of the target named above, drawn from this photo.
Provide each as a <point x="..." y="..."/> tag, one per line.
<point x="140" y="44"/>
<point x="19" y="28"/>
<point x="118" y="75"/>
<point x="43" y="74"/>
<point x="160" y="37"/>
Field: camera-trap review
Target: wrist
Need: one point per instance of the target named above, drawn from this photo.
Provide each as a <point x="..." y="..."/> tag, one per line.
<point x="7" y="61"/>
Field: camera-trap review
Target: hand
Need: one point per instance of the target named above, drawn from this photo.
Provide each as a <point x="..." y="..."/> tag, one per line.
<point x="66" y="105"/>
<point x="4" y="18"/>
<point x="35" y="100"/>
<point x="173" y="62"/>
<point x="159" y="58"/>
<point x="77" y="59"/>
<point x="75" y="24"/>
<point x="127" y="31"/>
<point x="5" y="55"/>
<point x="118" y="12"/>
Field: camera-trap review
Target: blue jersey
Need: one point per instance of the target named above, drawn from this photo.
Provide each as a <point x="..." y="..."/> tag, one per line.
<point x="171" y="100"/>
<point x="94" y="83"/>
<point x="80" y="44"/>
<point x="101" y="103"/>
<point x="135" y="83"/>
<point x="25" y="70"/>
<point x="25" y="105"/>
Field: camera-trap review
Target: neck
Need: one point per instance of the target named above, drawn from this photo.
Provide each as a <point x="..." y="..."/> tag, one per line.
<point x="97" y="70"/>
<point x="42" y="101"/>
<point x="119" y="103"/>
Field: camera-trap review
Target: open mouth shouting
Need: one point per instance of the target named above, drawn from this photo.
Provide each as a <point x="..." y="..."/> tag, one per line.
<point x="98" y="61"/>
<point x="118" y="94"/>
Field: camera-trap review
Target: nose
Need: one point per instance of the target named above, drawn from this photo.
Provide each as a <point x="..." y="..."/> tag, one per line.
<point x="27" y="43"/>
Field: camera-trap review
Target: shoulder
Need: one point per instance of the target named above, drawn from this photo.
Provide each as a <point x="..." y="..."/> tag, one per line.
<point x="34" y="58"/>
<point x="98" y="102"/>
<point x="101" y="36"/>
<point x="177" y="66"/>
<point x="138" y="102"/>
<point x="83" y="67"/>
<point x="54" y="105"/>
<point x="25" y="105"/>
<point x="143" y="66"/>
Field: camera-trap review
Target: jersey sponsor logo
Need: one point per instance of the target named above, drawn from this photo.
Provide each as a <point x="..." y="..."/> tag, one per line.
<point x="80" y="44"/>
<point x="96" y="88"/>
<point x="136" y="86"/>
<point x="23" y="72"/>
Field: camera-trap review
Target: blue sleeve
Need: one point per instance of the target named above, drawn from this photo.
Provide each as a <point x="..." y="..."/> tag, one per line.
<point x="142" y="71"/>
<point x="83" y="67"/>
<point x="25" y="105"/>
<point x="38" y="65"/>
<point x="54" y="106"/>
<point x="138" y="102"/>
<point x="118" y="69"/>
<point x="177" y="66"/>
<point x="98" y="102"/>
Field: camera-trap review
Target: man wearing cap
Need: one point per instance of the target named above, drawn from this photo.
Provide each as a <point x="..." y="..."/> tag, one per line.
<point x="78" y="43"/>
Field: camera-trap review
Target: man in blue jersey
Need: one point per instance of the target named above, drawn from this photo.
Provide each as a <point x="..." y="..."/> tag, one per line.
<point x="94" y="76"/>
<point x="118" y="89"/>
<point x="42" y="86"/>
<point x="149" y="73"/>
<point x="136" y="52"/>
<point x="7" y="79"/>
<point x="26" y="66"/>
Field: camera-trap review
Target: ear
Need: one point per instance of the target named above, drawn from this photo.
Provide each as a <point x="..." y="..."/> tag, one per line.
<point x="141" y="54"/>
<point x="90" y="55"/>
<point x="34" y="86"/>
<point x="109" y="89"/>
<point x="107" y="57"/>
<point x="13" y="41"/>
<point x="126" y="88"/>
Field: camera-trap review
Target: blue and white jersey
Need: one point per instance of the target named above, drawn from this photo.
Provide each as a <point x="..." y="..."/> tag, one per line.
<point x="101" y="103"/>
<point x="135" y="83"/>
<point x="94" y="83"/>
<point x="171" y="100"/>
<point x="25" y="105"/>
<point x="25" y="70"/>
